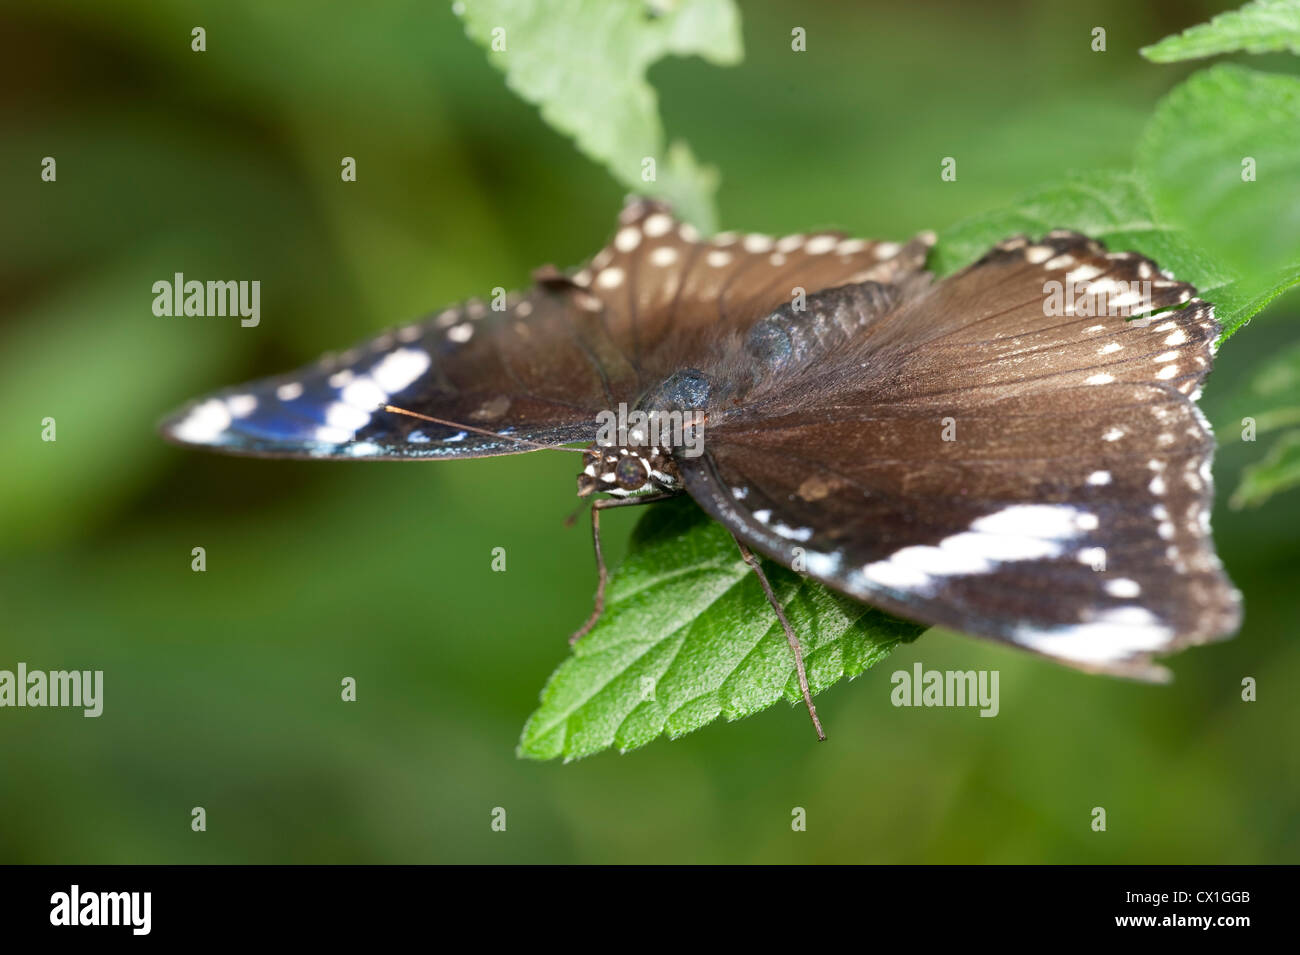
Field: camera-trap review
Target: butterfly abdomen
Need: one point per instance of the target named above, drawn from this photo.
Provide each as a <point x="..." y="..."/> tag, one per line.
<point x="799" y="331"/>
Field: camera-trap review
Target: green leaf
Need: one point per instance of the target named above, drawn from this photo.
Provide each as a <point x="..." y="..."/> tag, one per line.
<point x="1235" y="302"/>
<point x="1116" y="208"/>
<point x="1222" y="154"/>
<point x="1278" y="471"/>
<point x="1110" y="206"/>
<point x="1263" y="26"/>
<point x="1269" y="402"/>
<point x="598" y="92"/>
<point x="688" y="636"/>
<point x="1271" y="398"/>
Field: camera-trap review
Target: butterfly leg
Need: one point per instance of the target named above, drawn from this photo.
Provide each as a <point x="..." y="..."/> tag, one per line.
<point x="602" y="575"/>
<point x="790" y="636"/>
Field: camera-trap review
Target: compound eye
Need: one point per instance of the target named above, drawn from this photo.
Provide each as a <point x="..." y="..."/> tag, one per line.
<point x="630" y="473"/>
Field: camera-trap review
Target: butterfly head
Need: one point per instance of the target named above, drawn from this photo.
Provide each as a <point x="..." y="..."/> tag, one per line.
<point x="624" y="471"/>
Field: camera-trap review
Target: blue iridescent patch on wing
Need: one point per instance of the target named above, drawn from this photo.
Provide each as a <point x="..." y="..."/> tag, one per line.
<point x="333" y="408"/>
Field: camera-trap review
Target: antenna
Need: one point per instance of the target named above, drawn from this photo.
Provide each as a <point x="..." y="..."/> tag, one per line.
<point x="484" y="431"/>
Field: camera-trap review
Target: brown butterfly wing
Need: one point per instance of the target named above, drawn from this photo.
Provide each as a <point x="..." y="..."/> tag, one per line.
<point x="538" y="366"/>
<point x="974" y="462"/>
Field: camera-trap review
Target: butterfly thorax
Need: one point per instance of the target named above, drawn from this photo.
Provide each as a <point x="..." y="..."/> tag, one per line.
<point x="626" y="471"/>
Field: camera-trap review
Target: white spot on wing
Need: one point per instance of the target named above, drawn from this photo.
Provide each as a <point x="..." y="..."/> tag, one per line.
<point x="204" y="423"/>
<point x="1016" y="533"/>
<point x="241" y="406"/>
<point x="627" y="239"/>
<point x="363" y="394"/>
<point x="346" y="417"/>
<point x="820" y="244"/>
<point x="1113" y="636"/>
<point x="610" y="278"/>
<point x="399" y="369"/>
<point x="1123" y="587"/>
<point x="657" y="225"/>
<point x="888" y="574"/>
<point x="1093" y="556"/>
<point x="821" y="565"/>
<point x="1051" y="521"/>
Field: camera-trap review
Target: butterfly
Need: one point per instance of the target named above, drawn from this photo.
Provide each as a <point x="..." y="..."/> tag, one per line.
<point x="997" y="452"/>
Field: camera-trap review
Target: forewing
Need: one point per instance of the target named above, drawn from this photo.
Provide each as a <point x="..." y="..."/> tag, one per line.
<point x="541" y="367"/>
<point x="526" y="372"/>
<point x="667" y="296"/>
<point x="976" y="463"/>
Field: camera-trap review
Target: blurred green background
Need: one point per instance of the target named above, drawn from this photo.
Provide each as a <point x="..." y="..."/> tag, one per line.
<point x="222" y="688"/>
